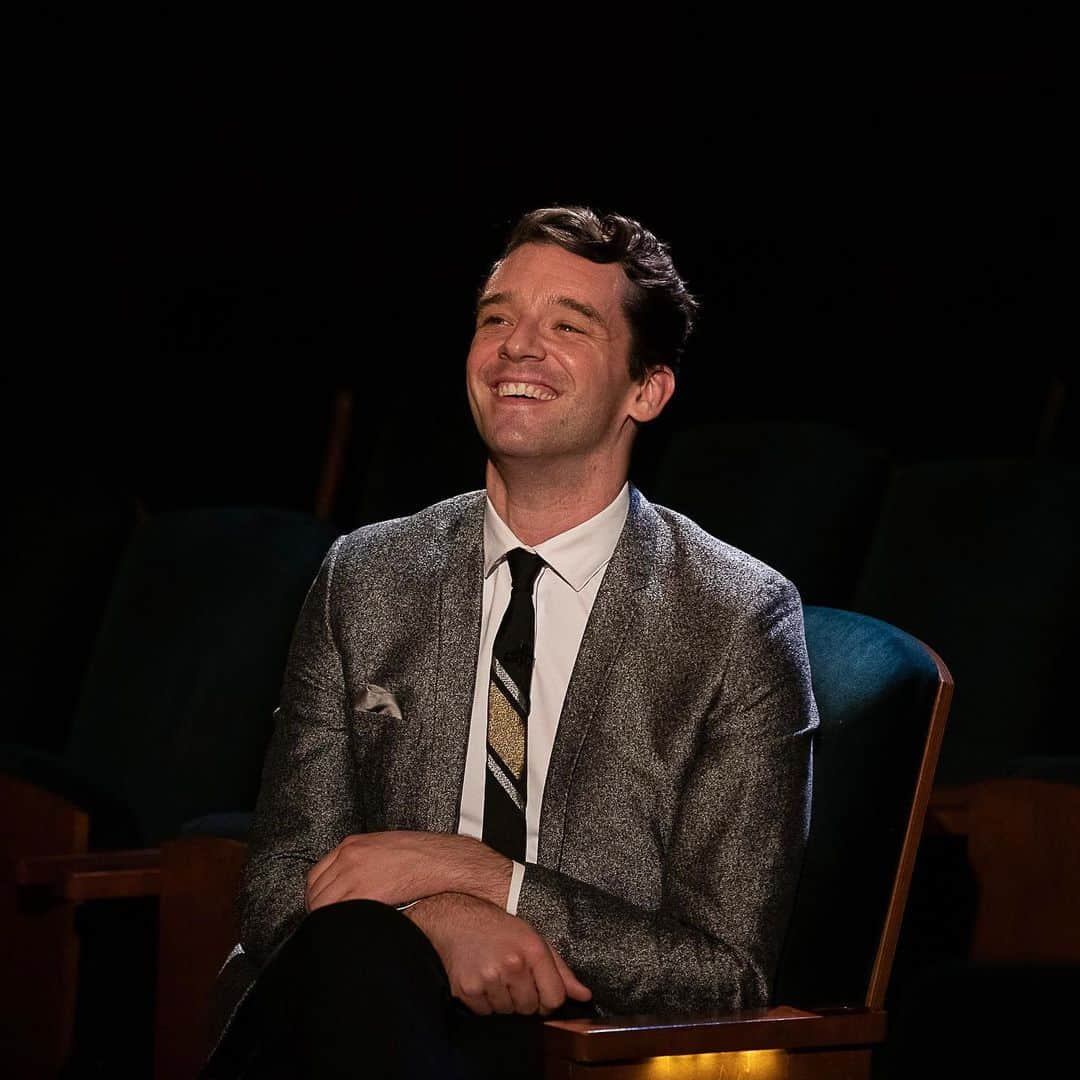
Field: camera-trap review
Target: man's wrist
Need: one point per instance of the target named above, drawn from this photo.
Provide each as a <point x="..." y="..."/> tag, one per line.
<point x="438" y="910"/>
<point x="485" y="874"/>
<point x="451" y="863"/>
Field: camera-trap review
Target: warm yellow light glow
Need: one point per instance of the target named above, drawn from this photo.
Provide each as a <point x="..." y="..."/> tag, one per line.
<point x="734" y="1065"/>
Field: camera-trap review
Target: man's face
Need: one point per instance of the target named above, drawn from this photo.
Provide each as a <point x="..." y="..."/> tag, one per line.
<point x="548" y="370"/>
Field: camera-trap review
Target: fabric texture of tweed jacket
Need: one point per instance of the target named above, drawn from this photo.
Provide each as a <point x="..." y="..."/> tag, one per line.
<point x="676" y="808"/>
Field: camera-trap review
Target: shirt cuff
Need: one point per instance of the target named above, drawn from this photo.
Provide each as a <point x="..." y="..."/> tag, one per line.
<point x="516" y="877"/>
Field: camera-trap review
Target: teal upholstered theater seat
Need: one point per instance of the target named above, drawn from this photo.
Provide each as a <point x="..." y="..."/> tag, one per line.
<point x="179" y="695"/>
<point x="60" y="549"/>
<point x="875" y="688"/>
<point x="982" y="557"/>
<point x="173" y="720"/>
<point x="804" y="497"/>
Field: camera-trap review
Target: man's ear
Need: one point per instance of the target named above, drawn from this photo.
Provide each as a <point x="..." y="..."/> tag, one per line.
<point x="653" y="393"/>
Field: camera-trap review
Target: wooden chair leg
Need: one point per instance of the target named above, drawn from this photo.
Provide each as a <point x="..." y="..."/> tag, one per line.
<point x="39" y="949"/>
<point x="197" y="929"/>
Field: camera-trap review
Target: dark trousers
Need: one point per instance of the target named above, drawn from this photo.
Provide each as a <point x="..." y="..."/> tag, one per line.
<point x="359" y="991"/>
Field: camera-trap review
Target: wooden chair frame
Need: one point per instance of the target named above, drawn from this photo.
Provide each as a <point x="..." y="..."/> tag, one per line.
<point x="39" y="894"/>
<point x="784" y="1043"/>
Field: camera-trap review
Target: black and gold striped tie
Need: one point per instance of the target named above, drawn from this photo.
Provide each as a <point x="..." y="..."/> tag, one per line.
<point x="508" y="711"/>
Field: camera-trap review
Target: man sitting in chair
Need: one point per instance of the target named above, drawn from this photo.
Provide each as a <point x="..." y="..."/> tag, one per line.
<point x="541" y="748"/>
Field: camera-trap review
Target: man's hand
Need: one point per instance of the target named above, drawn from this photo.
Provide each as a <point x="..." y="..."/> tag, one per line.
<point x="495" y="962"/>
<point x="400" y="866"/>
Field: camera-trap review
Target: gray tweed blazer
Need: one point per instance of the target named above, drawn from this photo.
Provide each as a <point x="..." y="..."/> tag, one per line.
<point x="676" y="807"/>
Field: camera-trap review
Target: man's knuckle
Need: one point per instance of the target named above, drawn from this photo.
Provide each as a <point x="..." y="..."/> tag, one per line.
<point x="533" y="946"/>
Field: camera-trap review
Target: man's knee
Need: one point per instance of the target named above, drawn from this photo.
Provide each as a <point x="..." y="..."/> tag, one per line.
<point x="363" y="940"/>
<point x="355" y="970"/>
<point x="348" y="919"/>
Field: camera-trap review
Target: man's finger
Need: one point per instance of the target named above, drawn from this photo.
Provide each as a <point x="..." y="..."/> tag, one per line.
<point x="522" y="987"/>
<point x="476" y="1003"/>
<point x="332" y="887"/>
<point x="575" y="988"/>
<point x="323" y="895"/>
<point x="313" y="886"/>
<point x="499" y="997"/>
<point x="495" y="989"/>
<point x="322" y="866"/>
<point x="319" y="876"/>
<point x="549" y="983"/>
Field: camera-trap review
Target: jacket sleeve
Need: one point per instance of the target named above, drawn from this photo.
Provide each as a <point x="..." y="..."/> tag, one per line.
<point x="307" y="801"/>
<point x="736" y="848"/>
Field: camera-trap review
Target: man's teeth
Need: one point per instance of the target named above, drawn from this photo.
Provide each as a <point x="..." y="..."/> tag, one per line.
<point x="524" y="389"/>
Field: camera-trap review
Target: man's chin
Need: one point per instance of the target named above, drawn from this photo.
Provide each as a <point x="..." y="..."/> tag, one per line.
<point x="519" y="453"/>
<point x="516" y="443"/>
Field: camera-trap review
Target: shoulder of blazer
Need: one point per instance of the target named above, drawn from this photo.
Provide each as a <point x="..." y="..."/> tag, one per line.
<point x="687" y="560"/>
<point x="420" y="543"/>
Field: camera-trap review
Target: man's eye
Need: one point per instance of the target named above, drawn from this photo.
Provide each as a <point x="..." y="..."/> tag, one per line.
<point x="567" y="326"/>
<point x="489" y="320"/>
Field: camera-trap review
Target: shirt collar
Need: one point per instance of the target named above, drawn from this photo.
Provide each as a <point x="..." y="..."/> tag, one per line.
<point x="575" y="555"/>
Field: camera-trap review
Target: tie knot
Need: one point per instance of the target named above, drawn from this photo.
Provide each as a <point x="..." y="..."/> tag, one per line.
<point x="524" y="566"/>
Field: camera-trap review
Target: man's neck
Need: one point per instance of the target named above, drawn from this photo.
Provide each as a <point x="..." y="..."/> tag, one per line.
<point x="537" y="507"/>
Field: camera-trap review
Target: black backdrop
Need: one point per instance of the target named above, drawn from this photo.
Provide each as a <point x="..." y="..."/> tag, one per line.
<point x="220" y="224"/>
<point x="223" y="228"/>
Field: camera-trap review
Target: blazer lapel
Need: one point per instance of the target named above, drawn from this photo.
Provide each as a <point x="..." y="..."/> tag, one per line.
<point x="610" y="622"/>
<point x="458" y="637"/>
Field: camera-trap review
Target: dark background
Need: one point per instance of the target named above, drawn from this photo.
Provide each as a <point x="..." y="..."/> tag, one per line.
<point x="226" y="225"/>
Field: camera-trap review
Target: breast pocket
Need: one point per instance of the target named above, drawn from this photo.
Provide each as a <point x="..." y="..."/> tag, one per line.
<point x="369" y="736"/>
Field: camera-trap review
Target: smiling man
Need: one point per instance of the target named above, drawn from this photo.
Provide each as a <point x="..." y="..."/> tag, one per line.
<point x="541" y="748"/>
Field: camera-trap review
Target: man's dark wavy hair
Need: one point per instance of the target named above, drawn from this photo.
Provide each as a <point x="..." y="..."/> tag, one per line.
<point x="658" y="305"/>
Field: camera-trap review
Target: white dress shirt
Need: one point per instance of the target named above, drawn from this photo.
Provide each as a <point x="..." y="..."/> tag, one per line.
<point x="563" y="596"/>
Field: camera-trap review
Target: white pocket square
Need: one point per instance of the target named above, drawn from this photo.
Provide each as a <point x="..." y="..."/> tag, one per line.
<point x="378" y="699"/>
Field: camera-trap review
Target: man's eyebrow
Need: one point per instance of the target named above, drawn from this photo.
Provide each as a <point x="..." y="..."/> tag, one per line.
<point x="586" y="310"/>
<point x="492" y="298"/>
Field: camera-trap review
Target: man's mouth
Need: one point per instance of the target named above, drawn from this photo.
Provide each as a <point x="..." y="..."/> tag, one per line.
<point x="525" y="390"/>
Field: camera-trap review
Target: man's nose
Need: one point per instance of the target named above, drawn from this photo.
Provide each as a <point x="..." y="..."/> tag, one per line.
<point x="524" y="342"/>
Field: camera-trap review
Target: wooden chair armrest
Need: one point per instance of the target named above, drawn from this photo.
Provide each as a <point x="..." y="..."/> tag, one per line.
<point x="779" y="1028"/>
<point x="100" y="875"/>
